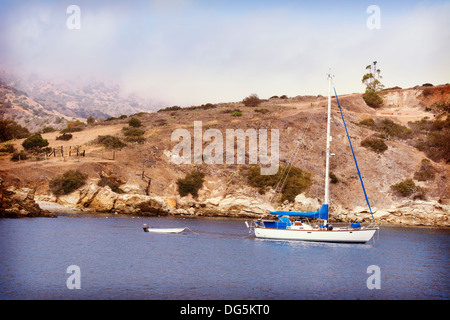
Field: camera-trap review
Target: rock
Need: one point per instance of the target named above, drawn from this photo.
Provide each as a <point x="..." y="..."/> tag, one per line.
<point x="19" y="203"/>
<point x="305" y="204"/>
<point x="104" y="200"/>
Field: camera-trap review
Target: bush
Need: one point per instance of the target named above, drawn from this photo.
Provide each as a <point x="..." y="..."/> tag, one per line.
<point x="372" y="99"/>
<point x="191" y="184"/>
<point x="407" y="188"/>
<point x="138" y="139"/>
<point x="252" y="101"/>
<point x="64" y="137"/>
<point x="236" y="114"/>
<point x="132" y="132"/>
<point x="297" y="181"/>
<point x="7" y="148"/>
<point x="333" y="178"/>
<point x="367" y="122"/>
<point x="48" y="129"/>
<point x="74" y="126"/>
<point x="35" y="142"/>
<point x="375" y="144"/>
<point x="9" y="129"/>
<point x="173" y="108"/>
<point x="426" y="171"/>
<point x="22" y="155"/>
<point x="134" y="122"/>
<point x="392" y="129"/>
<point x="110" y="142"/>
<point x="68" y="182"/>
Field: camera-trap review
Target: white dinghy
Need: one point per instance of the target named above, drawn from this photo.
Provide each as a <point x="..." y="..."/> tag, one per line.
<point x="162" y="230"/>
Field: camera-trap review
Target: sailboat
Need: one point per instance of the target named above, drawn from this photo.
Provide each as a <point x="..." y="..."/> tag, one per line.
<point x="285" y="229"/>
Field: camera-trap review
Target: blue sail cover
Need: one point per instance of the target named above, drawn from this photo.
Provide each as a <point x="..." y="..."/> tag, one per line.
<point x="322" y="213"/>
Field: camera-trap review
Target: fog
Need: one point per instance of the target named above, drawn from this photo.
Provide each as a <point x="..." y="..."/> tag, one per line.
<point x="193" y="52"/>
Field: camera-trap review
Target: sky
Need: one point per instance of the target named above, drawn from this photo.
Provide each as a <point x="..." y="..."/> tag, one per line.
<point x="191" y="52"/>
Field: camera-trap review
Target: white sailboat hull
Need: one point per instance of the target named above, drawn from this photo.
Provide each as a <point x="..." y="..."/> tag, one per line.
<point x="348" y="236"/>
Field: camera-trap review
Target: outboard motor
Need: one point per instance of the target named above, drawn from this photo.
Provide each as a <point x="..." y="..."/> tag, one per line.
<point x="329" y="227"/>
<point x="145" y="227"/>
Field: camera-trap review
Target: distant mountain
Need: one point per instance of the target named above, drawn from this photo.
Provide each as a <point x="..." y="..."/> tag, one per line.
<point x="36" y="103"/>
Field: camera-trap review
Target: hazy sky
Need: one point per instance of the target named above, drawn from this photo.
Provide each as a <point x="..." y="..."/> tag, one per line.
<point x="187" y="52"/>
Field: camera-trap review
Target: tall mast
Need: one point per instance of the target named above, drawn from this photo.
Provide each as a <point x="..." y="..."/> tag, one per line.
<point x="327" y="165"/>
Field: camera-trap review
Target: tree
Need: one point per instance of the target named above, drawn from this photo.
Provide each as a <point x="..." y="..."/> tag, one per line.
<point x="90" y="120"/>
<point x="35" y="142"/>
<point x="252" y="101"/>
<point x="9" y="129"/>
<point x="371" y="79"/>
<point x="373" y="85"/>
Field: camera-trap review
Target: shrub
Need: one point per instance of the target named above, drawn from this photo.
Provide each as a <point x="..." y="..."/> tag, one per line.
<point x="375" y="144"/>
<point x="64" y="137"/>
<point x="367" y="122"/>
<point x="190" y="184"/>
<point x="297" y="181"/>
<point x="252" y="101"/>
<point x="426" y="171"/>
<point x="333" y="178"/>
<point x="173" y="108"/>
<point x="132" y="132"/>
<point x="48" y="129"/>
<point x="137" y="139"/>
<point x="9" y="129"/>
<point x="90" y="120"/>
<point x="68" y="182"/>
<point x="22" y="155"/>
<point x="74" y="126"/>
<point x="392" y="129"/>
<point x="7" y="148"/>
<point x="134" y="122"/>
<point x="404" y="188"/>
<point x="110" y="142"/>
<point x="35" y="142"/>
<point x="236" y="114"/>
<point x="372" y="99"/>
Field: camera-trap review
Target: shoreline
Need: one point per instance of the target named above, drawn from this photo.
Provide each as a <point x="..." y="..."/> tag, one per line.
<point x="62" y="210"/>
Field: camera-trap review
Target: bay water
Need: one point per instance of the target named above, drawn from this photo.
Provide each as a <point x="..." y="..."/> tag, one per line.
<point x="213" y="259"/>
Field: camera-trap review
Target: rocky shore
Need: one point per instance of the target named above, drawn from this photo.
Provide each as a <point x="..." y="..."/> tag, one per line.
<point x="20" y="203"/>
<point x="92" y="198"/>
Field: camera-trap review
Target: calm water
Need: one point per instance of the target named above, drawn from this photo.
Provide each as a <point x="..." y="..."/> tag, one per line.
<point x="118" y="260"/>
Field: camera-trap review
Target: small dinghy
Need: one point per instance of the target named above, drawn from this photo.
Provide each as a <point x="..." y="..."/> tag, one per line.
<point x="163" y="230"/>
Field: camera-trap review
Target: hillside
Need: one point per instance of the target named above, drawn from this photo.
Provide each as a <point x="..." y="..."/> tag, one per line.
<point x="226" y="185"/>
<point x="36" y="103"/>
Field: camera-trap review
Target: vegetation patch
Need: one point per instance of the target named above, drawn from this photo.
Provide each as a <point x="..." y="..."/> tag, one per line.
<point x="372" y="99"/>
<point x="191" y="183"/>
<point x="296" y="182"/>
<point x="433" y="138"/>
<point x="65" y="137"/>
<point x="35" y="142"/>
<point x="21" y="155"/>
<point x="68" y="182"/>
<point x="407" y="188"/>
<point x="374" y="144"/>
<point x="426" y="171"/>
<point x="9" y="129"/>
<point x="110" y="142"/>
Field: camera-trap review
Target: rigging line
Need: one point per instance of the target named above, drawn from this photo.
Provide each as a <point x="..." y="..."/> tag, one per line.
<point x="291" y="160"/>
<point x="354" y="157"/>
